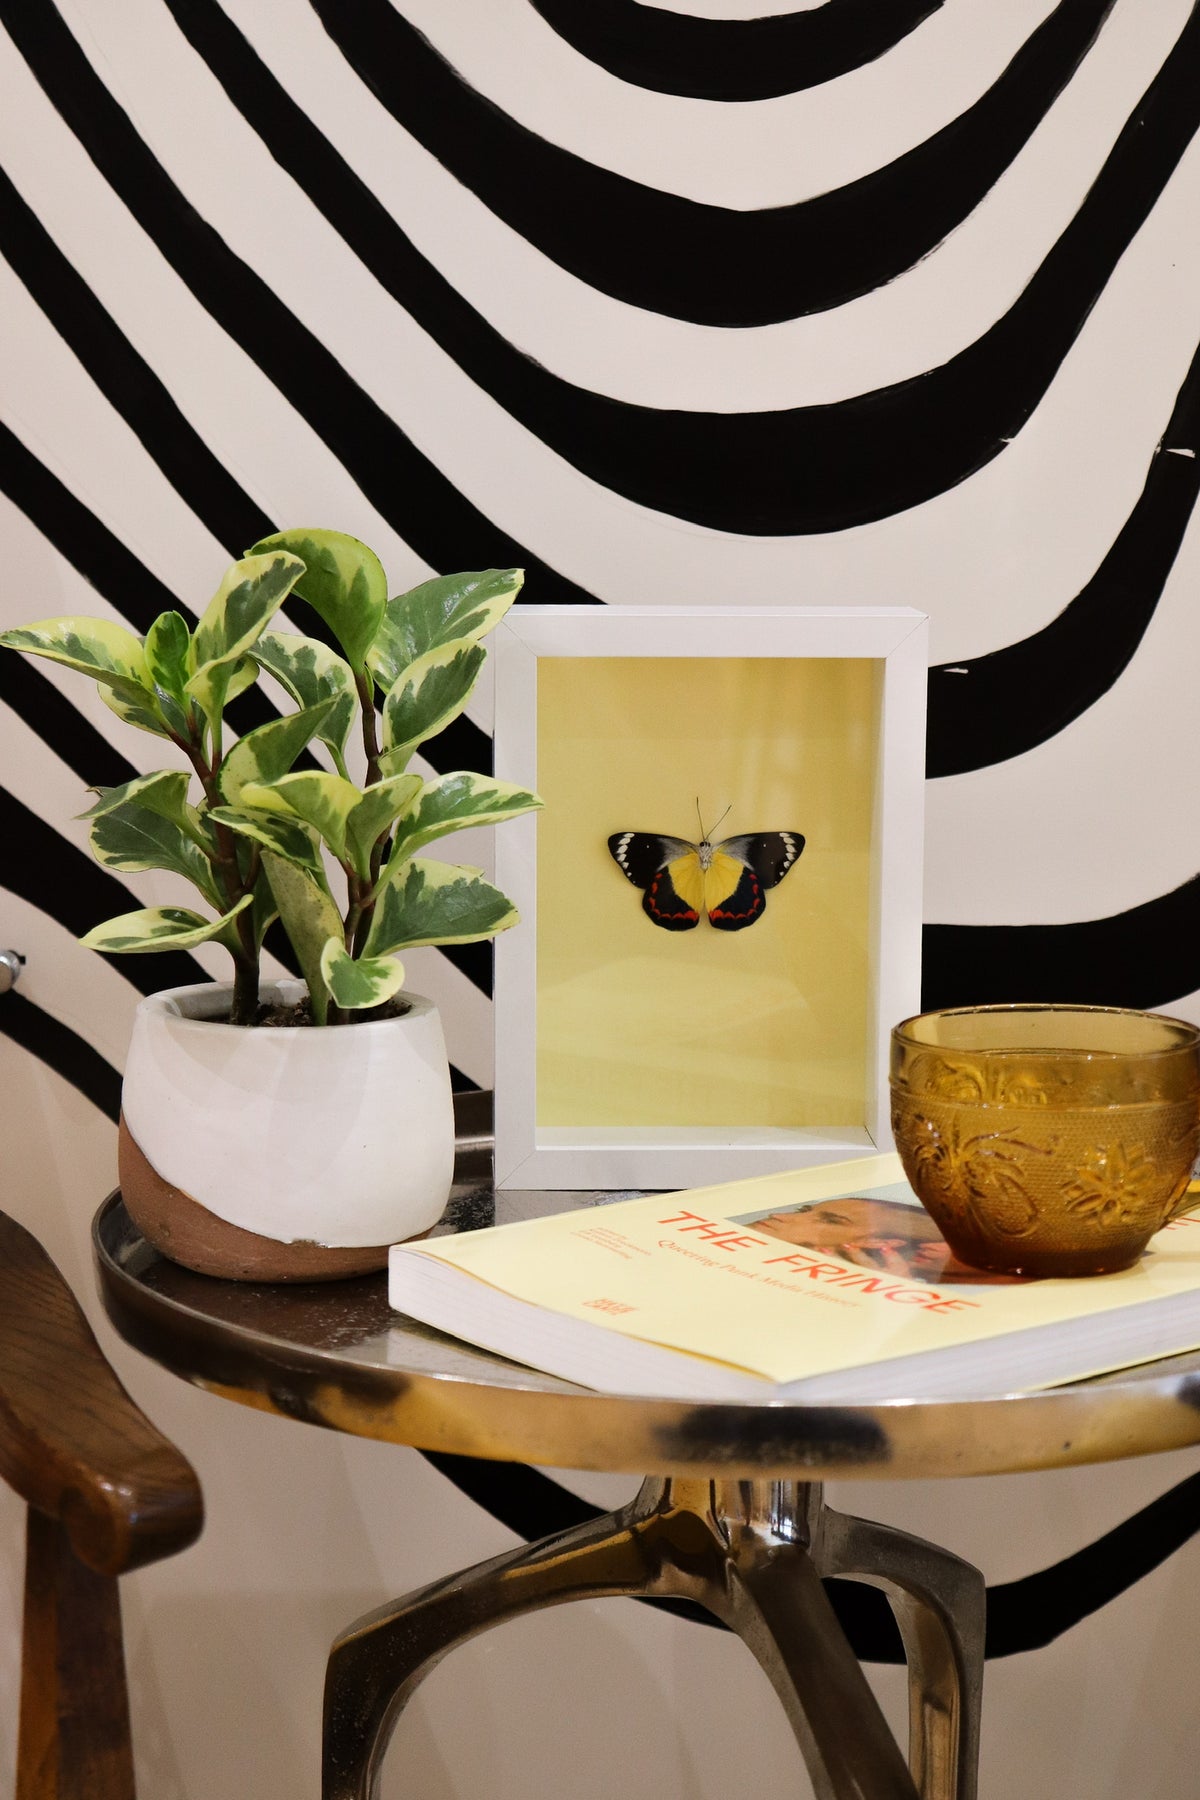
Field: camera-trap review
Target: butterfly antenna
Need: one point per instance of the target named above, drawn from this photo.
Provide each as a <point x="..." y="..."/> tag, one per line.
<point x="706" y="837"/>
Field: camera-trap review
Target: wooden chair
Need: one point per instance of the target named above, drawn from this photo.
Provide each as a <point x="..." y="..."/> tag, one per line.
<point x="106" y="1492"/>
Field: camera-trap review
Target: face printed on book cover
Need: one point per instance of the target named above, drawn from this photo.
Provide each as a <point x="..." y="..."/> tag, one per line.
<point x="876" y="1234"/>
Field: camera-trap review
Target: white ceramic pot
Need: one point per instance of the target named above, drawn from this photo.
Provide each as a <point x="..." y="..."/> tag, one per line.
<point x="283" y="1153"/>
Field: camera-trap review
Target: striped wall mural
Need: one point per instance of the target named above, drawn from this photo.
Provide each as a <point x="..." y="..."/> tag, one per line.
<point x="881" y="301"/>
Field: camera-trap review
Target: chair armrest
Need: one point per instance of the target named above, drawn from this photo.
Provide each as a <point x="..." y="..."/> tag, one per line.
<point x="72" y="1443"/>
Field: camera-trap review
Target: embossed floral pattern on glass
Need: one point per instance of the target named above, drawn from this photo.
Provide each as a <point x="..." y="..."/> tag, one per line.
<point x="983" y="1175"/>
<point x="1047" y="1140"/>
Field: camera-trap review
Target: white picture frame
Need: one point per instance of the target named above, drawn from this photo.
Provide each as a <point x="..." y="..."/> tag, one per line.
<point x="620" y="1154"/>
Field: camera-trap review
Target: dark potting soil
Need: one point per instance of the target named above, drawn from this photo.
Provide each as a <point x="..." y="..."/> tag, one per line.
<point x="300" y="1013"/>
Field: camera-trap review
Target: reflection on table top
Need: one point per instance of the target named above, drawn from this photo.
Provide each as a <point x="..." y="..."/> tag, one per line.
<point x="335" y="1355"/>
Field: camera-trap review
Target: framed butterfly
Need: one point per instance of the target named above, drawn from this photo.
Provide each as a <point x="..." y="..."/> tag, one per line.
<point x="727" y="880"/>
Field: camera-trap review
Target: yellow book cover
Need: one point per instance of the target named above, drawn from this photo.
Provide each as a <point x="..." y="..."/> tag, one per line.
<point x="824" y="1284"/>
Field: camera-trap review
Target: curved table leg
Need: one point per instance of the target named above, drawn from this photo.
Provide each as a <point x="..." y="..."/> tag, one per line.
<point x="751" y="1553"/>
<point x="780" y="1611"/>
<point x="376" y="1666"/>
<point x="939" y="1602"/>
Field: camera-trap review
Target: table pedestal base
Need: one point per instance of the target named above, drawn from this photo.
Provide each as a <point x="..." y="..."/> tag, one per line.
<point x="753" y="1554"/>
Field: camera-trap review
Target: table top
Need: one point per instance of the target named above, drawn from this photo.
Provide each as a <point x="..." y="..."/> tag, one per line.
<point x="334" y="1354"/>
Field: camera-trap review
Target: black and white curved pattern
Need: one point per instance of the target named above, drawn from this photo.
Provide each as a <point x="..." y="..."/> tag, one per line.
<point x="733" y="59"/>
<point x="886" y="303"/>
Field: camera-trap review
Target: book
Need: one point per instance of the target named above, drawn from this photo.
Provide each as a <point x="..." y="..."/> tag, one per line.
<point x="829" y="1284"/>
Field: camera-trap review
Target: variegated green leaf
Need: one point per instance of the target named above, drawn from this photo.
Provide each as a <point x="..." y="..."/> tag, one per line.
<point x="144" y="714"/>
<point x="343" y="581"/>
<point x="428" y="902"/>
<point x="250" y="592"/>
<point x="382" y="803"/>
<point x="164" y="792"/>
<point x="245" y="674"/>
<point x="393" y="762"/>
<point x="355" y="982"/>
<point x="322" y="800"/>
<point x="439" y="611"/>
<point x="265" y="909"/>
<point x="310" y="919"/>
<point x="166" y="650"/>
<point x="284" y="834"/>
<point x="161" y="928"/>
<point x="311" y="672"/>
<point x="349" y="819"/>
<point x="432" y="691"/>
<point x="96" y="647"/>
<point x="175" y="713"/>
<point x="132" y="838"/>
<point x="269" y="751"/>
<point x="454" y="802"/>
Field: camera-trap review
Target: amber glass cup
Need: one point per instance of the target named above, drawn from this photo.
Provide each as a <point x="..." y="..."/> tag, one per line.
<point x="1047" y="1140"/>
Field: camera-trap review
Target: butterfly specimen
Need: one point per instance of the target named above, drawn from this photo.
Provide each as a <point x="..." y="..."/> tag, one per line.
<point x="727" y="880"/>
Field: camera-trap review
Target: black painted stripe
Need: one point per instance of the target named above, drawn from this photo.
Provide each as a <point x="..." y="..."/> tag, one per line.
<point x="803" y="469"/>
<point x="1025" y="1614"/>
<point x="404" y="486"/>
<point x="133" y="389"/>
<point x="1146" y="957"/>
<point x="50" y="714"/>
<point x="1022" y="1615"/>
<point x="732" y="59"/>
<point x="78" y="536"/>
<point x="143" y="401"/>
<point x="101" y="558"/>
<point x="459" y="745"/>
<point x="125" y="379"/>
<point x="710" y="264"/>
<point x="474" y="961"/>
<point x="63" y="882"/>
<point x="106" y="564"/>
<point x="62" y="1050"/>
<point x="1000" y="705"/>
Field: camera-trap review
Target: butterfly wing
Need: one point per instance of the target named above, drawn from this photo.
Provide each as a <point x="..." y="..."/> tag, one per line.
<point x="741" y="870"/>
<point x="641" y="854"/>
<point x="668" y="869"/>
<point x="769" y="853"/>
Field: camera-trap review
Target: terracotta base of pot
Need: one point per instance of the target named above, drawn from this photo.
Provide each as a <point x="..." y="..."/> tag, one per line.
<point x="188" y="1233"/>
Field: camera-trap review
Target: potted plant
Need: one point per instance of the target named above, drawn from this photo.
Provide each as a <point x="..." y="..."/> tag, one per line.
<point x="291" y="1130"/>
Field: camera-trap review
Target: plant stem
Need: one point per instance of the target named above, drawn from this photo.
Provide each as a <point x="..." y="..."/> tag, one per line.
<point x="244" y="1007"/>
<point x="355" y="912"/>
<point x="234" y="887"/>
<point x="370" y="732"/>
<point x="356" y="936"/>
<point x="366" y="899"/>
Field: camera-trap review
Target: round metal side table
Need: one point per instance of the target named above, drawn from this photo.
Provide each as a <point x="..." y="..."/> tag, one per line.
<point x="730" y="1514"/>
